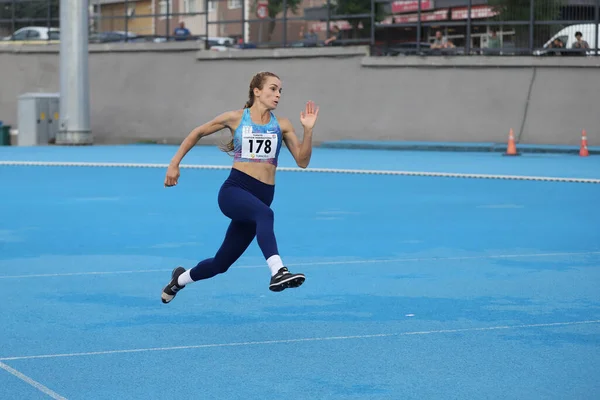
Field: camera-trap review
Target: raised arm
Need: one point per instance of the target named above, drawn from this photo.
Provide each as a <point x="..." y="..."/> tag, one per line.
<point x="301" y="151"/>
<point x="225" y="120"/>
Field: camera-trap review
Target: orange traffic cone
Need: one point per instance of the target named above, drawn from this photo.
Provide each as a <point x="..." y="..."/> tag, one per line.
<point x="512" y="148"/>
<point x="583" y="150"/>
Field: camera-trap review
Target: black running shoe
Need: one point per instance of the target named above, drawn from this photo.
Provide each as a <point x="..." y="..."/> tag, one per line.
<point x="284" y="279"/>
<point x="173" y="287"/>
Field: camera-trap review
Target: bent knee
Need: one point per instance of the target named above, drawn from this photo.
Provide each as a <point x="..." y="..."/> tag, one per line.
<point x="223" y="269"/>
<point x="221" y="266"/>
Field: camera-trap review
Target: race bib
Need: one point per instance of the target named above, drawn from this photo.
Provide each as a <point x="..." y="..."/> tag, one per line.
<point x="261" y="146"/>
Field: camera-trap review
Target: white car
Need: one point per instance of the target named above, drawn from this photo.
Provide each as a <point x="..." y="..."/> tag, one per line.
<point x="34" y="33"/>
<point x="220" y="43"/>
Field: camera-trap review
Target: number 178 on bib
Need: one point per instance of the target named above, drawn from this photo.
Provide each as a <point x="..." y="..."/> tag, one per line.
<point x="258" y="145"/>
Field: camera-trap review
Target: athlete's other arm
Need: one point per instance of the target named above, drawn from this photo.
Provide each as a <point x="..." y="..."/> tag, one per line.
<point x="225" y="120"/>
<point x="301" y="151"/>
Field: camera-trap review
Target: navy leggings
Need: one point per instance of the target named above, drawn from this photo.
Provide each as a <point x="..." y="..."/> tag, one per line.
<point x="247" y="202"/>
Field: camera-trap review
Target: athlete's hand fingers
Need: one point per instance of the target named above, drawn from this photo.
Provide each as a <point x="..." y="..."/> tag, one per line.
<point x="172" y="176"/>
<point x="170" y="181"/>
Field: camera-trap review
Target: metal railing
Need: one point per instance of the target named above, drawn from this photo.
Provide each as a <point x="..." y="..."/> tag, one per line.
<point x="390" y="28"/>
<point x="217" y="23"/>
<point x="484" y="27"/>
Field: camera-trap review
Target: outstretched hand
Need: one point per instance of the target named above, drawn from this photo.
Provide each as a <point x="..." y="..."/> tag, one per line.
<point x="308" y="117"/>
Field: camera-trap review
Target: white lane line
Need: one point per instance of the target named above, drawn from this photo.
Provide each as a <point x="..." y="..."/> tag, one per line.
<point x="84" y="273"/>
<point x="317" y="339"/>
<point x="316" y="263"/>
<point x="31" y="382"/>
<point x="304" y="170"/>
<point x="442" y="258"/>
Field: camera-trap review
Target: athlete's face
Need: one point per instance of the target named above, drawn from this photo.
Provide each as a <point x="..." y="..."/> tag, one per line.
<point x="270" y="93"/>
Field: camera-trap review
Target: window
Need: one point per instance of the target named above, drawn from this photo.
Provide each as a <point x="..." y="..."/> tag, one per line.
<point x="21" y="35"/>
<point x="231" y="4"/>
<point x="189" y="6"/>
<point x="163" y="7"/>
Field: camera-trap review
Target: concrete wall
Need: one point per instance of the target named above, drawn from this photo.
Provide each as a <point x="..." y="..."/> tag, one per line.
<point x="159" y="95"/>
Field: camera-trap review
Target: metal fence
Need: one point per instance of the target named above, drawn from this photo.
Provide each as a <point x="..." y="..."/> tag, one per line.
<point x="492" y="27"/>
<point x="390" y="28"/>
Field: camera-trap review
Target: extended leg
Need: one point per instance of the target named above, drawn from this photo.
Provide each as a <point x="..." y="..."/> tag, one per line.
<point x="238" y="237"/>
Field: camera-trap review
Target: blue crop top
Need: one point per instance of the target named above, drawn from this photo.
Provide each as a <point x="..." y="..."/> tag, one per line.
<point x="257" y="143"/>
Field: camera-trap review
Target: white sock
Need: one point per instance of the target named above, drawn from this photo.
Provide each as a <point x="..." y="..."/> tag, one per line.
<point x="184" y="278"/>
<point x="275" y="264"/>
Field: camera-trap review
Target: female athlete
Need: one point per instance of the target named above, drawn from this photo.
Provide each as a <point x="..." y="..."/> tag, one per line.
<point x="246" y="196"/>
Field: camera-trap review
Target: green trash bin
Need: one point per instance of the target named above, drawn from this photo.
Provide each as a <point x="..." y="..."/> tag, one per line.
<point x="4" y="135"/>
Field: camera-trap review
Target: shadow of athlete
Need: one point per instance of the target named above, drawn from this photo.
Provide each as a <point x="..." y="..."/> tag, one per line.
<point x="246" y="195"/>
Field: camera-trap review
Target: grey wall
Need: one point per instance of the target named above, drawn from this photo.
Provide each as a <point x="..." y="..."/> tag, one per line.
<point x="163" y="95"/>
<point x="563" y="102"/>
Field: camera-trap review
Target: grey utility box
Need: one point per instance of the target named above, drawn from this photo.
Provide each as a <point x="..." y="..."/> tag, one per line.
<point x="38" y="118"/>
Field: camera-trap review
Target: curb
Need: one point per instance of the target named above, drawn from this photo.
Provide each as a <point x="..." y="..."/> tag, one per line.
<point x="453" y="146"/>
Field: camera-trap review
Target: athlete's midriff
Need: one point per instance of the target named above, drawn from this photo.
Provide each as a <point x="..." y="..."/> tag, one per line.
<point x="264" y="172"/>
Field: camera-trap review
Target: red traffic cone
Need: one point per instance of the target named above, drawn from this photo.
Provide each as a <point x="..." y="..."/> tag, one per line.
<point x="583" y="150"/>
<point x="511" y="149"/>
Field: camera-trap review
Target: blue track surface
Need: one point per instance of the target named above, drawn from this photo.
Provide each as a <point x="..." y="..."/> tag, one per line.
<point x="417" y="287"/>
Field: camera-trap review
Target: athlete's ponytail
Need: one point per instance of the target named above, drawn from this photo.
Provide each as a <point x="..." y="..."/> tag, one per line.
<point x="257" y="82"/>
<point x="250" y="97"/>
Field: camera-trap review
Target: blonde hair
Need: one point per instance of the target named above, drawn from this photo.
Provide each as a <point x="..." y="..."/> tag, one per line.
<point x="257" y="82"/>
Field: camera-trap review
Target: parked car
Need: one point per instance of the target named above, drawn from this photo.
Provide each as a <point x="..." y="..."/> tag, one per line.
<point x="115" y="36"/>
<point x="34" y="34"/>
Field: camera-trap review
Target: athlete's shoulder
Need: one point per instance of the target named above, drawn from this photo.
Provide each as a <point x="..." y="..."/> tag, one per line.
<point x="285" y="124"/>
<point x="230" y="119"/>
<point x="233" y="115"/>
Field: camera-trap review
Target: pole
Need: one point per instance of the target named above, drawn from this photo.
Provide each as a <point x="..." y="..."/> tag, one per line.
<point x="531" y="24"/>
<point x="168" y="20"/>
<point x="419" y="27"/>
<point x="284" y="23"/>
<point x="597" y="20"/>
<point x="244" y="21"/>
<point x="372" y="25"/>
<point x="206" y="4"/>
<point x="327" y="31"/>
<point x="98" y="16"/>
<point x="126" y="21"/>
<point x="468" y="36"/>
<point x="12" y="19"/>
<point x="74" y="121"/>
<point x="49" y="18"/>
